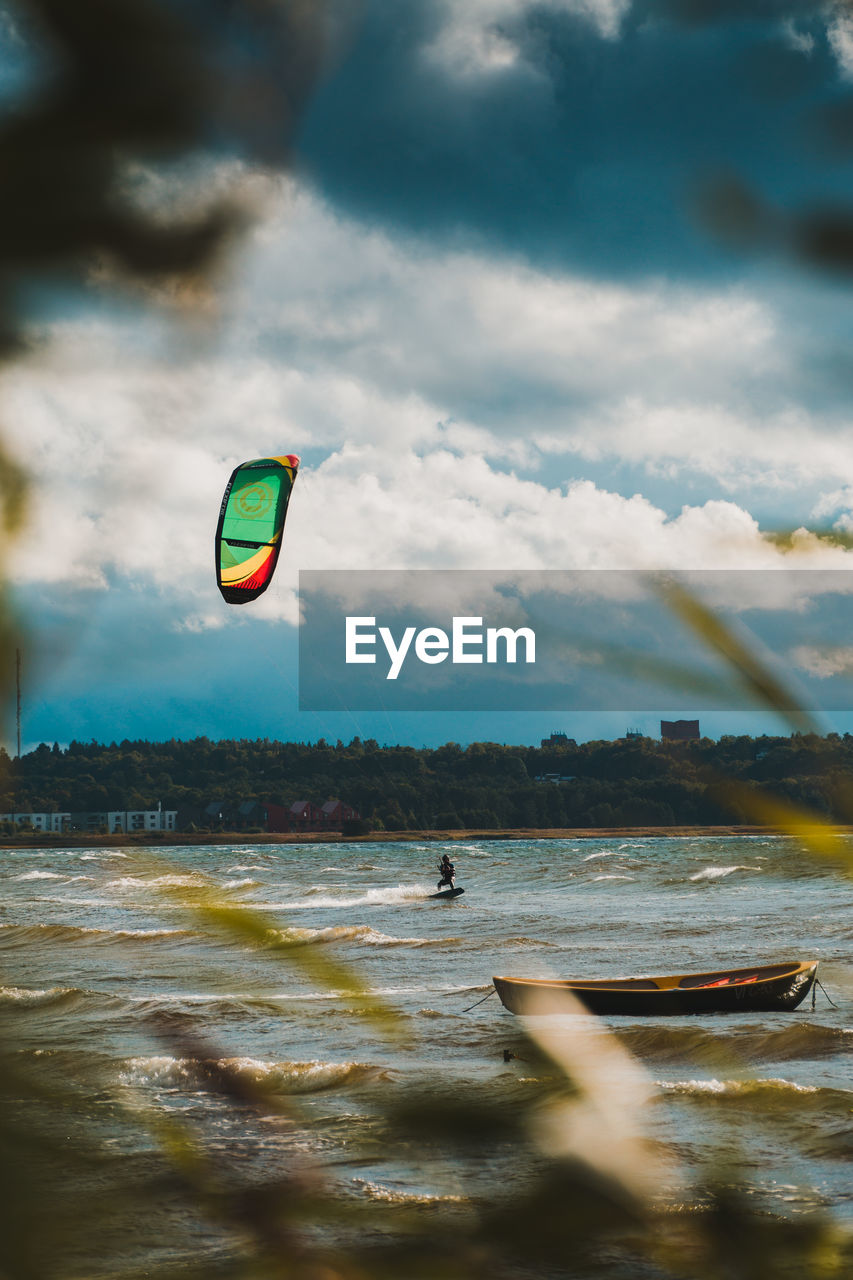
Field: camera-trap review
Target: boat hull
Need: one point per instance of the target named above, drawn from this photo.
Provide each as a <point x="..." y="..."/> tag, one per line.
<point x="761" y="989"/>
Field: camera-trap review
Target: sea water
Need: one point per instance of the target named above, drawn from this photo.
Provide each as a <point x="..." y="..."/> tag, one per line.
<point x="102" y="957"/>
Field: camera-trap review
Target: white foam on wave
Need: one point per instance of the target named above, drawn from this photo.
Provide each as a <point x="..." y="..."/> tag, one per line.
<point x="284" y="1077"/>
<point x="734" y="1088"/>
<point x="247" y="883"/>
<point x="238" y="997"/>
<point x="719" y="873"/>
<point x="372" y="898"/>
<point x="29" y="999"/>
<point x="188" y="880"/>
<point x="353" y="933"/>
<point x="66" y="931"/>
<point x="387" y="1195"/>
<point x="613" y="877"/>
<point x="605" y="853"/>
<point x="431" y="987"/>
<point x="54" y="875"/>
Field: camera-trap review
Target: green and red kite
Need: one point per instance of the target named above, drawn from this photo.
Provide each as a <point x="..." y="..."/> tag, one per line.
<point x="251" y="521"/>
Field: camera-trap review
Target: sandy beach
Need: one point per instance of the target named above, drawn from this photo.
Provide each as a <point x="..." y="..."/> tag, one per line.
<point x="90" y="840"/>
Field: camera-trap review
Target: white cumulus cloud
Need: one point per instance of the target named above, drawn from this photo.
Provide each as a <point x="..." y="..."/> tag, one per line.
<point x="429" y="389"/>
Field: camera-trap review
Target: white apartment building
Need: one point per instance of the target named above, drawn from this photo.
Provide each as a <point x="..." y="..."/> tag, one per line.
<point x="116" y="821"/>
<point x="141" y="820"/>
<point x="38" y="821"/>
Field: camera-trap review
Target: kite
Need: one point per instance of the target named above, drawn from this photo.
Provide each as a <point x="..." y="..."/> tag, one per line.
<point x="251" y="521"/>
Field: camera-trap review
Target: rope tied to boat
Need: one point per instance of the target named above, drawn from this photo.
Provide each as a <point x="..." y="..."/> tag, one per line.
<point x="818" y="983"/>
<point x="476" y="1002"/>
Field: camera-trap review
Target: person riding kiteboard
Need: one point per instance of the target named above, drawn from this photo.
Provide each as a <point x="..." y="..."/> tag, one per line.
<point x="448" y="871"/>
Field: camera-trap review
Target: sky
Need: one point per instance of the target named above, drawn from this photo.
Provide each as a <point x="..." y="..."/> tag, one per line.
<point x="488" y="308"/>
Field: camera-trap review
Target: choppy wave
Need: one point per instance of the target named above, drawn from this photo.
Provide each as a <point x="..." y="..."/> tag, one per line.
<point x="40" y="875"/>
<point x="12" y="935"/>
<point x="165" y="1072"/>
<point x="60" y="1000"/>
<point x="361" y="933"/>
<point x="796" y="1041"/>
<point x="53" y="876"/>
<point x="756" y="1096"/>
<point x="719" y="873"/>
<point x="520" y="941"/>
<point x="173" y="880"/>
<point x="735" y="1088"/>
<point x="390" y="896"/>
<point x="389" y="1195"/>
<point x="23" y="997"/>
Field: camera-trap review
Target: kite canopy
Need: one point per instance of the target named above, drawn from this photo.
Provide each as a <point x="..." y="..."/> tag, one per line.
<point x="251" y="521"/>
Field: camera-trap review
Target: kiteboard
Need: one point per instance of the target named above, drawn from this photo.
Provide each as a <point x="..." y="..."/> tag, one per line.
<point x="447" y="893"/>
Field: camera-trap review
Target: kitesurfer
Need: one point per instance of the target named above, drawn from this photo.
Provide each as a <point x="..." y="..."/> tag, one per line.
<point x="448" y="871"/>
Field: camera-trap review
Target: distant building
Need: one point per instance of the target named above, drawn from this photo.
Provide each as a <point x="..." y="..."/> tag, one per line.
<point x="679" y="730"/>
<point x="250" y="813"/>
<point x="143" y="820"/>
<point x="336" y="813"/>
<point x="122" y="821"/>
<point x="277" y="818"/>
<point x="638" y="733"/>
<point x="304" y="816"/>
<point x="219" y="811"/>
<point x="37" y="821"/>
<point x="558" y="739"/>
<point x="114" y="822"/>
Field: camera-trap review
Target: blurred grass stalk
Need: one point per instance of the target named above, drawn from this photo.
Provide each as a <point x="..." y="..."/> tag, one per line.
<point x="819" y="838"/>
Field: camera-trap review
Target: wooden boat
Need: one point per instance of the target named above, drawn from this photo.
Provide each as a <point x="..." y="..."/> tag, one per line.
<point x="760" y="989"/>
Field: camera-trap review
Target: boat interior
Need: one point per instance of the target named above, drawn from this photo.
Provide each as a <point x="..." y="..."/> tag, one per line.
<point x="718" y="978"/>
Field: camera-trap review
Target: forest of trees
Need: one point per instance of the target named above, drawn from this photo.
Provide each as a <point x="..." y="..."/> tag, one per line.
<point x="628" y="782"/>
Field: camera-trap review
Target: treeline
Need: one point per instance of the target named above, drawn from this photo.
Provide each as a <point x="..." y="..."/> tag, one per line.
<point x="628" y="782"/>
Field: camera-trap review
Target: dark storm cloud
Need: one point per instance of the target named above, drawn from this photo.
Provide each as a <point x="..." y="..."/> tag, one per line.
<point x="587" y="150"/>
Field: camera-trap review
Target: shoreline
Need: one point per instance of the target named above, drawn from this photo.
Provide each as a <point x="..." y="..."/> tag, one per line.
<point x="82" y="840"/>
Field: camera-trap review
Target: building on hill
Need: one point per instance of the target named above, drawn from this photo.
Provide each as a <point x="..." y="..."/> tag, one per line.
<point x="114" y="821"/>
<point x="219" y="813"/>
<point x="331" y="816"/>
<point x="276" y="818"/>
<point x="38" y="821"/>
<point x="304" y="816"/>
<point x="336" y="813"/>
<point x="143" y="820"/>
<point x="679" y="730"/>
<point x="558" y="739"/>
<point x="251" y="813"/>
